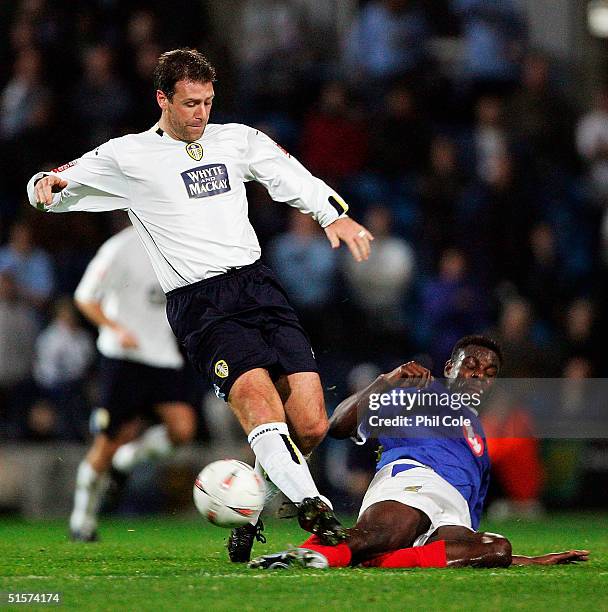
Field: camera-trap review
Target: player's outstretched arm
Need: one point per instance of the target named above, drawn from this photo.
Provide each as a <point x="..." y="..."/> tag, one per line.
<point x="92" y="183"/>
<point x="356" y="237"/>
<point x="561" y="558"/>
<point x="344" y="421"/>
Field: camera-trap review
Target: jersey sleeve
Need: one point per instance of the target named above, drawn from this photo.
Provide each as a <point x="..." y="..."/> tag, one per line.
<point x="287" y="180"/>
<point x="97" y="277"/>
<point x="95" y="184"/>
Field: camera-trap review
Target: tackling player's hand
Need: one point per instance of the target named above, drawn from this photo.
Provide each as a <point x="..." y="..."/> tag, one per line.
<point x="356" y="237"/>
<point x="561" y="558"/>
<point x="410" y="374"/>
<point x="46" y="187"/>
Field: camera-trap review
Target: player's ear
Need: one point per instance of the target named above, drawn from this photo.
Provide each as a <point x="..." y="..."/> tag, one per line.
<point x="162" y="99"/>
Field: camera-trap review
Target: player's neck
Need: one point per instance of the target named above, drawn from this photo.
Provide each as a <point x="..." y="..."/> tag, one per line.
<point x="166" y="129"/>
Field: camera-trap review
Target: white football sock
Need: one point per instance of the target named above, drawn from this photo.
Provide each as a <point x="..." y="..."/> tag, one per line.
<point x="90" y="489"/>
<point x="271" y="489"/>
<point x="152" y="444"/>
<point x="280" y="458"/>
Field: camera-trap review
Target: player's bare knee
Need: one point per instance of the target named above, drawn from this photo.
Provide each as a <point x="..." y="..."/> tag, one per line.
<point x="312" y="435"/>
<point x="254" y="400"/>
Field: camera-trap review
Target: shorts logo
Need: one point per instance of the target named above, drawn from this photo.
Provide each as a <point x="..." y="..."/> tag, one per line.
<point x="195" y="151"/>
<point x="99" y="420"/>
<point x="206" y="181"/>
<point x="221" y="369"/>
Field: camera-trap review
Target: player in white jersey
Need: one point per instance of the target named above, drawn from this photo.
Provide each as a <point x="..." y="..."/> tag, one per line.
<point x="183" y="185"/>
<point x="141" y="373"/>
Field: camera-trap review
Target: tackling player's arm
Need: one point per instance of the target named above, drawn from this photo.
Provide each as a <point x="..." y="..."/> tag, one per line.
<point x="561" y="558"/>
<point x="344" y="421"/>
<point x="287" y="180"/>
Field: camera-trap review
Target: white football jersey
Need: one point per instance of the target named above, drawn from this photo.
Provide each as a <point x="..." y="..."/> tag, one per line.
<point x="187" y="201"/>
<point x="122" y="280"/>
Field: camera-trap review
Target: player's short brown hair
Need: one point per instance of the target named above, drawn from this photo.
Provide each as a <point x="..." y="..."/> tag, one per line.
<point x="181" y="65"/>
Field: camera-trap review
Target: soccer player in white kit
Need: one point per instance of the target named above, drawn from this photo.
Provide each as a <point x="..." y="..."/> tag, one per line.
<point x="183" y="185"/>
<point x="140" y="373"/>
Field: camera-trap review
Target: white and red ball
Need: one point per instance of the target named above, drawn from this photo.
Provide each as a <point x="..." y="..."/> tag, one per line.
<point x="228" y="493"/>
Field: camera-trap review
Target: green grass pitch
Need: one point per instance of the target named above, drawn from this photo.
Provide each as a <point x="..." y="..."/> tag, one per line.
<point x="176" y="564"/>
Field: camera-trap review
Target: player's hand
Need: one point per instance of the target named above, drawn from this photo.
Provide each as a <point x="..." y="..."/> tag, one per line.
<point x="410" y="374"/>
<point x="561" y="558"/>
<point x="356" y="237"/>
<point x="46" y="187"/>
<point x="126" y="338"/>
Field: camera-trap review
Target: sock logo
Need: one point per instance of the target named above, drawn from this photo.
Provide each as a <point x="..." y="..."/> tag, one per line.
<point x="221" y="369"/>
<point x="259" y="433"/>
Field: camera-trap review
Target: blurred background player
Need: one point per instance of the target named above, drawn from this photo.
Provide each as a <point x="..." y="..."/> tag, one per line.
<point x="141" y="373"/>
<point x="423" y="507"/>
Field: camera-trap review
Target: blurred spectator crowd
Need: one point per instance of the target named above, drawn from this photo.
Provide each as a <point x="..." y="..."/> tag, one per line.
<point x="485" y="187"/>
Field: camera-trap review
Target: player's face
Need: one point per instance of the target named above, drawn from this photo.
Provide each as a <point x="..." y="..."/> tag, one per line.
<point x="185" y="116"/>
<point x="473" y="369"/>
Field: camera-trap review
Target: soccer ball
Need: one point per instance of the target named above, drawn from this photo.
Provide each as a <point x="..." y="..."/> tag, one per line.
<point x="228" y="492"/>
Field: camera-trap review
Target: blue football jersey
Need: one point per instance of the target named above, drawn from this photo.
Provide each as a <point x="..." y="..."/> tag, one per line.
<point x="457" y="452"/>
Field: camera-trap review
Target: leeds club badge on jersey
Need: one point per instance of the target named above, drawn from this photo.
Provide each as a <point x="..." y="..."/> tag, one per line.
<point x="195" y="151"/>
<point x="221" y="369"/>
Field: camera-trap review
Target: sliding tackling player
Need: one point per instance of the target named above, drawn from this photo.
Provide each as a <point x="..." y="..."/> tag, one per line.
<point x="423" y="507"/>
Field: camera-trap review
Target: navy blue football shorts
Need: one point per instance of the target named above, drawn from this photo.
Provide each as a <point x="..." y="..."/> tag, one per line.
<point x="236" y="322"/>
<point x="129" y="390"/>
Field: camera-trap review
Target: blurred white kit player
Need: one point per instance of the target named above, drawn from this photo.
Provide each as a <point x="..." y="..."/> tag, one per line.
<point x="140" y="372"/>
